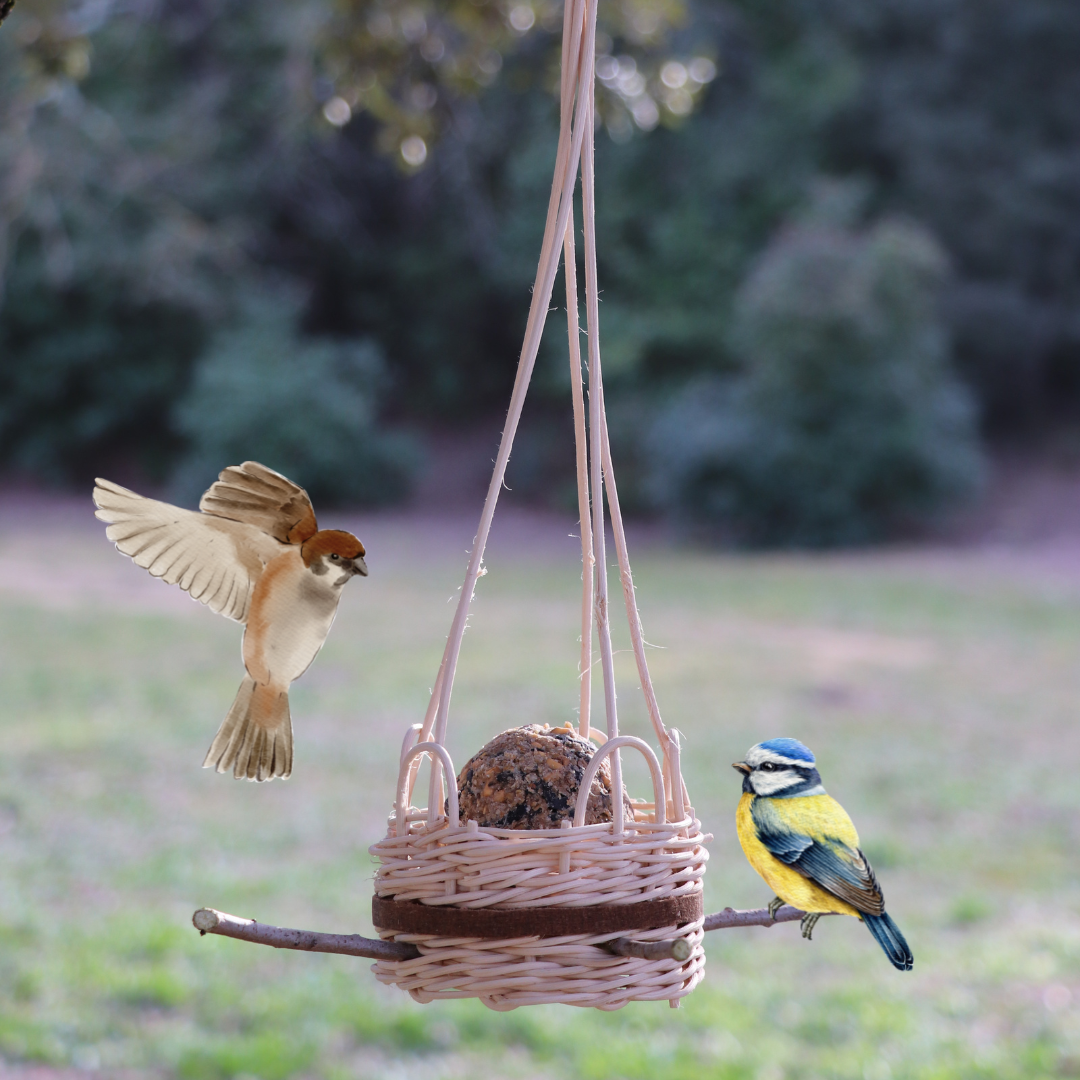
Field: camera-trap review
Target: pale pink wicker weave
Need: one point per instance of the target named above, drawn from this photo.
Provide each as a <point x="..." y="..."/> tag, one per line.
<point x="434" y="860"/>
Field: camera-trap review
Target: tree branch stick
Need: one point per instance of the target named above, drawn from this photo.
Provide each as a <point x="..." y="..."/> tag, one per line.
<point x="676" y="949"/>
<point x="729" y="918"/>
<point x="679" y="948"/>
<point x="209" y="921"/>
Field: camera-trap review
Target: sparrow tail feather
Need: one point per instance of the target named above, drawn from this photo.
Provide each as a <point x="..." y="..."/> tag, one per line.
<point x="255" y="738"/>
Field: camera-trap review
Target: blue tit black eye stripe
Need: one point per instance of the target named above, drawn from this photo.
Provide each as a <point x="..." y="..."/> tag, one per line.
<point x="783" y="781"/>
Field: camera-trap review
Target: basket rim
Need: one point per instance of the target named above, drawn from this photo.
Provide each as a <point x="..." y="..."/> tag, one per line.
<point x="689" y="828"/>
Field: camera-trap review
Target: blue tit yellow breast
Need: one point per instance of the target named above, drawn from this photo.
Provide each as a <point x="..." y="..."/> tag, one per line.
<point x="821" y="816"/>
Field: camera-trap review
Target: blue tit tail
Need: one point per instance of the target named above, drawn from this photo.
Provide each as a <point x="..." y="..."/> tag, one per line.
<point x="887" y="935"/>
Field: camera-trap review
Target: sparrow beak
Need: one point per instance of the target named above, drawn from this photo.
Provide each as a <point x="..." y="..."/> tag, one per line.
<point x="742" y="767"/>
<point x="359" y="566"/>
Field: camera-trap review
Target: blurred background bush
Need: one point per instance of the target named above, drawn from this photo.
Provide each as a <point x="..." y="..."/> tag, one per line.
<point x="844" y="419"/>
<point x="309" y="405"/>
<point x="839" y="254"/>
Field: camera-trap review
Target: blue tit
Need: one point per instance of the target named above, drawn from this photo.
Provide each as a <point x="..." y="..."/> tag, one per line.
<point x="802" y="842"/>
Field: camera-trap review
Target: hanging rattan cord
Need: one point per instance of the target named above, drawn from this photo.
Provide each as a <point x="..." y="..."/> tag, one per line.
<point x="589" y="885"/>
<point x="650" y="867"/>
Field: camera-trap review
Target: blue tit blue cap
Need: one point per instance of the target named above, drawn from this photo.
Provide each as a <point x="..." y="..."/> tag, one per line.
<point x="790" y="748"/>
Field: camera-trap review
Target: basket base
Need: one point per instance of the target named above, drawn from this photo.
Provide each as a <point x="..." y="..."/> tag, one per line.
<point x="507" y="974"/>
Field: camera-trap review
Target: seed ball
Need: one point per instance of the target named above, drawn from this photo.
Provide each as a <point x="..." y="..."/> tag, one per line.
<point x="528" y="778"/>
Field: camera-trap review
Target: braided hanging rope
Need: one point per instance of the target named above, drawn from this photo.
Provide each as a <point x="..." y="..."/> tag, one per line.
<point x="519" y="917"/>
<point x="560" y="206"/>
<point x="581" y="452"/>
<point x="594" y="472"/>
<point x="578" y="49"/>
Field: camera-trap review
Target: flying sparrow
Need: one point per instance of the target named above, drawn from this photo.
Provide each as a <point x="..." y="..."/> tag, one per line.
<point x="254" y="554"/>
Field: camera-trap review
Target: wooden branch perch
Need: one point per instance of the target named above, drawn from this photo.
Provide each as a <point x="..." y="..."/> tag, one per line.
<point x="729" y="917"/>
<point x="676" y="949"/>
<point x="209" y="921"/>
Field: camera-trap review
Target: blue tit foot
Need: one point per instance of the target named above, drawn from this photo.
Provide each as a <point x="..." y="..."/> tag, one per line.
<point x="774" y="906"/>
<point x="808" y="923"/>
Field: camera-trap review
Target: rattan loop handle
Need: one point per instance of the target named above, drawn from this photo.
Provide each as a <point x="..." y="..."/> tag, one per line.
<point x="404" y="785"/>
<point x="411" y="735"/>
<point x="594" y="767"/>
<point x="673" y="762"/>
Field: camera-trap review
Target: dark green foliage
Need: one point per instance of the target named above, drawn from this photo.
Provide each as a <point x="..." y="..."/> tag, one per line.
<point x="110" y="282"/>
<point x="142" y="185"/>
<point x="84" y="376"/>
<point x="967" y="119"/>
<point x="419" y="264"/>
<point x="159" y="166"/>
<point x="305" y="407"/>
<point x="682" y="213"/>
<point x="845" y="424"/>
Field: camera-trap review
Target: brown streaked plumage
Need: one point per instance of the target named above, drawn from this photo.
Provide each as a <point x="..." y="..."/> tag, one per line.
<point x="254" y="554"/>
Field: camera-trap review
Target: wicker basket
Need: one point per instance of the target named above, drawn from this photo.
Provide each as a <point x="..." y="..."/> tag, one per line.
<point x="515" y="917"/>
<point x="567" y="875"/>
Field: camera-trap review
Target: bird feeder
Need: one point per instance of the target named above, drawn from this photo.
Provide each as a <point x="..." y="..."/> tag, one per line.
<point x="514" y="916"/>
<point x="596" y="914"/>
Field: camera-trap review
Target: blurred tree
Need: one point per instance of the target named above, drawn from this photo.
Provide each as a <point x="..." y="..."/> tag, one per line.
<point x="412" y="63"/>
<point x="846" y="423"/>
<point x="161" y="158"/>
<point x="108" y="279"/>
<point x="307" y="408"/>
<point x="160" y="162"/>
<point x="683" y="214"/>
<point x="966" y="118"/>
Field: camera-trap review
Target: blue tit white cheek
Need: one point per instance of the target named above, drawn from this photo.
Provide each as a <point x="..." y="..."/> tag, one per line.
<point x="769" y="783"/>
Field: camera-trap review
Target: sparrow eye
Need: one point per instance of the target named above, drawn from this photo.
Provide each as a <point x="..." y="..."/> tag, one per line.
<point x="336" y="558"/>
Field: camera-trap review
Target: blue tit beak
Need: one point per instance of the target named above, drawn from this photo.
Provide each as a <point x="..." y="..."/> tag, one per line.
<point x="742" y="767"/>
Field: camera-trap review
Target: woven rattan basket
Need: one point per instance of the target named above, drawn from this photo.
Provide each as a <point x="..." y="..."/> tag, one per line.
<point x="520" y="917"/>
<point x="519" y="914"/>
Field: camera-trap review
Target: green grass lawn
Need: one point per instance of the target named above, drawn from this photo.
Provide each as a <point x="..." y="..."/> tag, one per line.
<point x="939" y="692"/>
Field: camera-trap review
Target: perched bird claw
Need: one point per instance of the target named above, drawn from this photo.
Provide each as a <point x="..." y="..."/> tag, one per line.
<point x="775" y="905"/>
<point x="808" y="922"/>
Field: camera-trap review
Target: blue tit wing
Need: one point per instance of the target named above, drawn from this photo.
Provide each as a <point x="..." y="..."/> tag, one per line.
<point x="788" y="847"/>
<point x="816" y="841"/>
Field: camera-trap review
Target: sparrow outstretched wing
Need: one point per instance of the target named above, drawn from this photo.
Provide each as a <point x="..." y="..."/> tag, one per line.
<point x="258" y="496"/>
<point x="821" y="843"/>
<point x="217" y="561"/>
